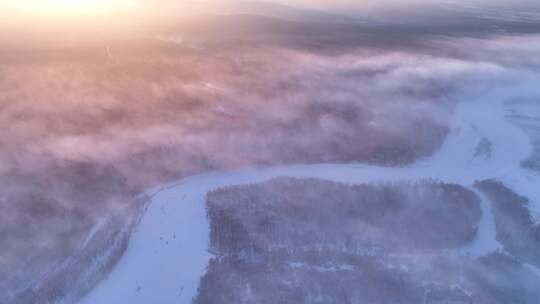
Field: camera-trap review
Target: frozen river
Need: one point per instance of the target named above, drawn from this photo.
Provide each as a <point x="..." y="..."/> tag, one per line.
<point x="167" y="253"/>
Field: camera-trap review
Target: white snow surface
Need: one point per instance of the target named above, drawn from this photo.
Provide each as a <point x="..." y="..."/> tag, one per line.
<point x="98" y="226"/>
<point x="167" y="254"/>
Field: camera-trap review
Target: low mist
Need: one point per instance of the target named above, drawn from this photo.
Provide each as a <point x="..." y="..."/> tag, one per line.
<point x="90" y="118"/>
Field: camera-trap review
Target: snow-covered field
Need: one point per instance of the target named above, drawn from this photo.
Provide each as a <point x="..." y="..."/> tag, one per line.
<point x="167" y="254"/>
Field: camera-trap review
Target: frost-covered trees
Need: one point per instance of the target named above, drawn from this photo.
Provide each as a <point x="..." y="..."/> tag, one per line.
<point x="289" y="213"/>
<point x="313" y="241"/>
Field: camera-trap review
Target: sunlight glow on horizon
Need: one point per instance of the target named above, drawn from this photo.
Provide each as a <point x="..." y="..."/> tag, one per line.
<point x="46" y="18"/>
<point x="39" y="15"/>
<point x="65" y="7"/>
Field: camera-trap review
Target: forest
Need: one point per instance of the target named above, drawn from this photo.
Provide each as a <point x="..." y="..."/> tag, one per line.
<point x="313" y="241"/>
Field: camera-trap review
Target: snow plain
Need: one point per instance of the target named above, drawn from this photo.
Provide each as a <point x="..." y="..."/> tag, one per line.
<point x="167" y="254"/>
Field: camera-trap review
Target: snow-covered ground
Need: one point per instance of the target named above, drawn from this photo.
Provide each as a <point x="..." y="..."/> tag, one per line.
<point x="167" y="254"/>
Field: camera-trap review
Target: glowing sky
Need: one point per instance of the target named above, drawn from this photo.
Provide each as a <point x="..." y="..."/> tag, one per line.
<point x="77" y="7"/>
<point x="117" y="15"/>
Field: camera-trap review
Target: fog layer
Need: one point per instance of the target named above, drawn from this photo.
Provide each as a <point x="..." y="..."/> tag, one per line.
<point x="88" y="122"/>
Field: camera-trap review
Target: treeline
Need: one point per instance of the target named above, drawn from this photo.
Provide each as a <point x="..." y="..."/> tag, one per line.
<point x="44" y="221"/>
<point x="313" y="241"/>
<point x="516" y="230"/>
<point x="289" y="213"/>
<point x="72" y="277"/>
